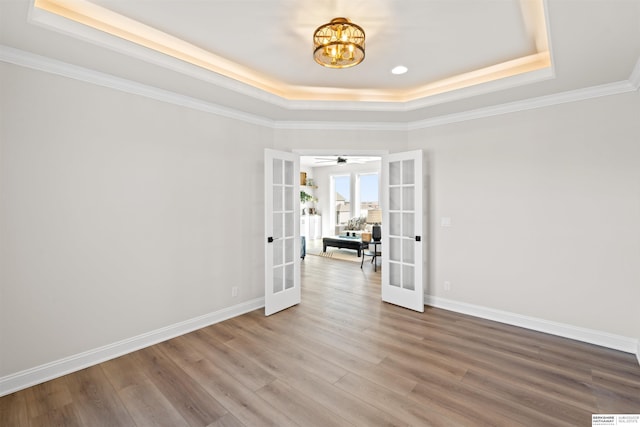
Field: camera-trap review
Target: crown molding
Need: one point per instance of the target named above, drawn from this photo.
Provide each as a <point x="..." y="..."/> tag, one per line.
<point x="53" y="66"/>
<point x="528" y="104"/>
<point x="372" y="126"/>
<point x="49" y="65"/>
<point x="426" y="101"/>
<point x="69" y="27"/>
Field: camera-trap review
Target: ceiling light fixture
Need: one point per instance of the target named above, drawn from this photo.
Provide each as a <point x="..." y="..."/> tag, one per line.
<point x="338" y="44"/>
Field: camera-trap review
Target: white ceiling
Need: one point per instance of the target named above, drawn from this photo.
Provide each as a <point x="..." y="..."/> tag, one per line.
<point x="255" y="56"/>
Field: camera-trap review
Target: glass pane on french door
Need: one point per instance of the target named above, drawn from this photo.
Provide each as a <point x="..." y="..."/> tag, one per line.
<point x="401" y="247"/>
<point x="283" y="225"/>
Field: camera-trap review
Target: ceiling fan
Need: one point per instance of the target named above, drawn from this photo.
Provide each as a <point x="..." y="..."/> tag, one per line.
<point x="339" y="160"/>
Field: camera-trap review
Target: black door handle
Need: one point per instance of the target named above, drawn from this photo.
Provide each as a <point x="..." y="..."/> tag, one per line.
<point x="269" y="239"/>
<point x="418" y="238"/>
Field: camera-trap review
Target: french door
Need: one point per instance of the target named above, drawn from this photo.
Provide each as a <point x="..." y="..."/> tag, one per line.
<point x="282" y="228"/>
<point x="402" y="218"/>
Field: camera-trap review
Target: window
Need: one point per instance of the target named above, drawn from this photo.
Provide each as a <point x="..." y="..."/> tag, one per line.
<point x="341" y="199"/>
<point x="353" y="196"/>
<point x="368" y="193"/>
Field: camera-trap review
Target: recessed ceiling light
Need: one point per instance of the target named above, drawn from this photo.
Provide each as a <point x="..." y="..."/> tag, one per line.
<point x="400" y="69"/>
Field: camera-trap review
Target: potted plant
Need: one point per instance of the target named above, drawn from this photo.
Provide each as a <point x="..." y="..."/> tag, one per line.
<point x="305" y="197"/>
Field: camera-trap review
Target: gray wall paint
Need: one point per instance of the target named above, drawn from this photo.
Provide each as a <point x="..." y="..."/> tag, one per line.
<point x="545" y="211"/>
<point x="120" y="215"/>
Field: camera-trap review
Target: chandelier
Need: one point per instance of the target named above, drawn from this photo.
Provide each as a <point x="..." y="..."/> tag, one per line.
<point x="338" y="44"/>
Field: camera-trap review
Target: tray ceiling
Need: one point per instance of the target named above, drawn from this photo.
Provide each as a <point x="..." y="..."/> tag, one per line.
<point x="252" y="59"/>
<point x="446" y="45"/>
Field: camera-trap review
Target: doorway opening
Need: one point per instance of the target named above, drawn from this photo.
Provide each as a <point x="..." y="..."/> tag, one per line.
<point x="344" y="188"/>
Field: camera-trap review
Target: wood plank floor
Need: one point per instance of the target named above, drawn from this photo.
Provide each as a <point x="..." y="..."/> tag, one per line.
<point x="342" y="358"/>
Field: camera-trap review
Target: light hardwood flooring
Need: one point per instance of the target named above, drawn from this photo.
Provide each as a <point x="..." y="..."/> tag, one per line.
<point x="342" y="357"/>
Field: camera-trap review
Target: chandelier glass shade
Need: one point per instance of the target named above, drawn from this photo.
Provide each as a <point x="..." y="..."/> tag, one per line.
<point x="338" y="44"/>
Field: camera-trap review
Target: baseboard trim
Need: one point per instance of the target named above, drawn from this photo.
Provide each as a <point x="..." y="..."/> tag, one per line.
<point x="30" y="377"/>
<point x="39" y="374"/>
<point x="604" y="339"/>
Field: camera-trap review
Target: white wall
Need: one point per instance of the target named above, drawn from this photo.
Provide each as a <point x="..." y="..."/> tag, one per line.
<point x="119" y="215"/>
<point x="545" y="211"/>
